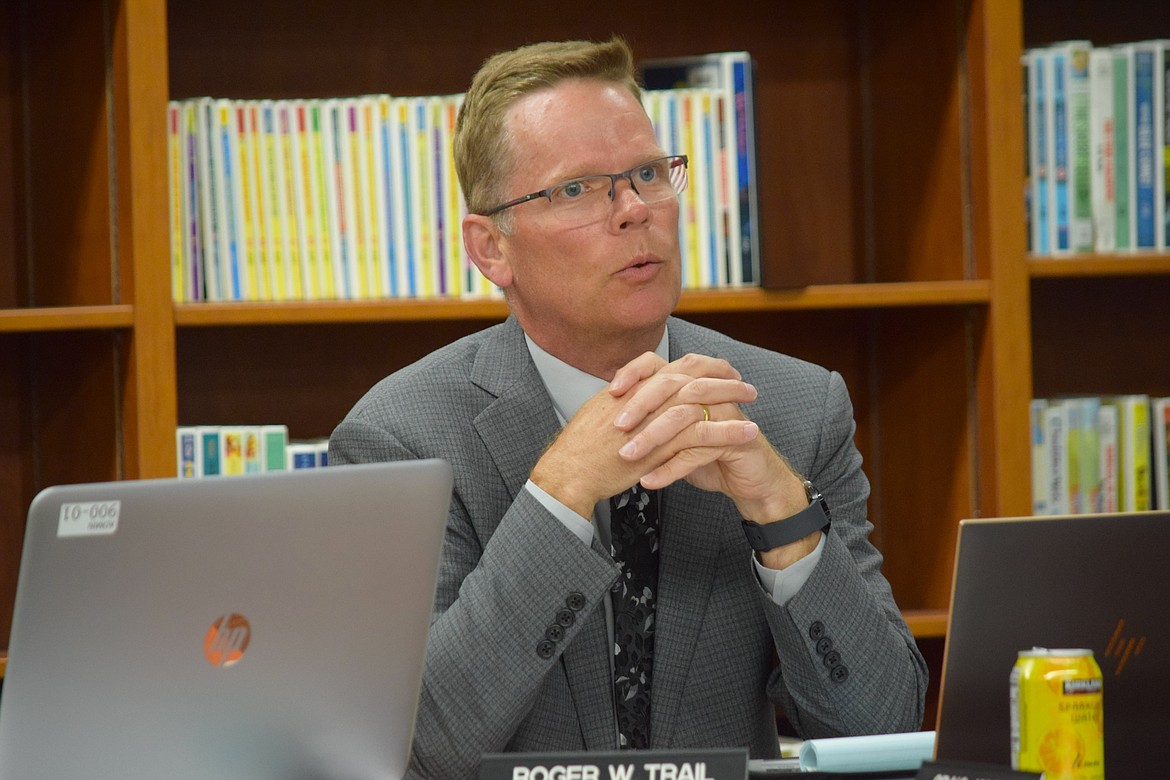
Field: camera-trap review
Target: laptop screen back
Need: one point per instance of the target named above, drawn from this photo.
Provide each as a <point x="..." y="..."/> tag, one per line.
<point x="1096" y="581"/>
<point x="247" y="627"/>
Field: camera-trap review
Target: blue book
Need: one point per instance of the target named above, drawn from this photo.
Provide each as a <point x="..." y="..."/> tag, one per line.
<point x="1038" y="152"/>
<point x="1060" y="152"/>
<point x="1143" y="135"/>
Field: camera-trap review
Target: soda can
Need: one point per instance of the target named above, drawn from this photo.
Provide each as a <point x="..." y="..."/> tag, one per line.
<point x="1057" y="720"/>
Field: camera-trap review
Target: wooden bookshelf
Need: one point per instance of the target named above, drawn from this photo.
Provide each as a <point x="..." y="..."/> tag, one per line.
<point x="894" y="246"/>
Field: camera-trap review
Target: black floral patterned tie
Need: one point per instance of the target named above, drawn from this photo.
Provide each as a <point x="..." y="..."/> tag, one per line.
<point x="634" y="533"/>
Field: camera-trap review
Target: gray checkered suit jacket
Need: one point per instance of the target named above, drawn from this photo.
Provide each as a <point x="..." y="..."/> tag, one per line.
<point x="838" y="658"/>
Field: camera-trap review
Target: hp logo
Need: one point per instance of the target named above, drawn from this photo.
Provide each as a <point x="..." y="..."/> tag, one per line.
<point x="227" y="639"/>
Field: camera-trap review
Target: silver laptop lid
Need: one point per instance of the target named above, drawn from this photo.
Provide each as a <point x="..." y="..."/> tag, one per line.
<point x="266" y="626"/>
<point x="1095" y="581"/>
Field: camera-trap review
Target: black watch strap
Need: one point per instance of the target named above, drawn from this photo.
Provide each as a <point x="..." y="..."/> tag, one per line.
<point x="769" y="536"/>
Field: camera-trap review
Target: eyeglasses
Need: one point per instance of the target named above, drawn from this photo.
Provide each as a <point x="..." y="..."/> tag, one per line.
<point x="587" y="198"/>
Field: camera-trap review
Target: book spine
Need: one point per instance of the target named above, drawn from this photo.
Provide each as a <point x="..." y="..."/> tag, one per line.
<point x="193" y="280"/>
<point x="210" y="437"/>
<point x="1060" y="154"/>
<point x="1123" y="148"/>
<point x="1160" y="408"/>
<point x="1038" y="154"/>
<point x="226" y="170"/>
<point x="273" y="443"/>
<point x="1107" y="441"/>
<point x="1080" y="156"/>
<point x="208" y="197"/>
<point x="188" y="446"/>
<point x="1040" y="479"/>
<point x="175" y="205"/>
<point x="1146" y="233"/>
<point x="1101" y="136"/>
<point x="1056" y="426"/>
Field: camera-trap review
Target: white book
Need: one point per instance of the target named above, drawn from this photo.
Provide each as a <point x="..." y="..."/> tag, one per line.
<point x="1056" y="428"/>
<point x="255" y="281"/>
<point x="208" y="214"/>
<point x="1102" y="149"/>
<point x="1071" y="98"/>
<point x="225" y="165"/>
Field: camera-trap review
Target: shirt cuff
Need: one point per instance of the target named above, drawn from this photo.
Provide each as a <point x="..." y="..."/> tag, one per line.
<point x="783" y="584"/>
<point x="570" y="519"/>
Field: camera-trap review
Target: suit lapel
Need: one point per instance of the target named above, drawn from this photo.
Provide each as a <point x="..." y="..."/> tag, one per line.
<point x="517" y="425"/>
<point x="515" y="428"/>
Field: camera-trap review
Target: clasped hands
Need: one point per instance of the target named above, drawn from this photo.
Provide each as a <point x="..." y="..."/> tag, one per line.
<point x="659" y="422"/>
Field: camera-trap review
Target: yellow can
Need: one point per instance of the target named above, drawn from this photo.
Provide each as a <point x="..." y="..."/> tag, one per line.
<point x="1057" y="720"/>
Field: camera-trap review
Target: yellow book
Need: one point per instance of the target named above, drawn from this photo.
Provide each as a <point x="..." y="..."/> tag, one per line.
<point x="175" y="203"/>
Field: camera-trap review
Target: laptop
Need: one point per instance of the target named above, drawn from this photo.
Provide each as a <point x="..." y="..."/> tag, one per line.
<point x="262" y="626"/>
<point x="1090" y="581"/>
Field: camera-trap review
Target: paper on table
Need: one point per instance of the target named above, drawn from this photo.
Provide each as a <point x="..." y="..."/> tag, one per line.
<point x="879" y="753"/>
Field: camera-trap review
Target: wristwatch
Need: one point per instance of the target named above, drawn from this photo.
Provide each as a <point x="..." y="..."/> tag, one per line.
<point x="771" y="535"/>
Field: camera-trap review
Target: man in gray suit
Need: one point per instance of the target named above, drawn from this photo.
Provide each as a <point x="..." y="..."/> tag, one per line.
<point x="591" y="387"/>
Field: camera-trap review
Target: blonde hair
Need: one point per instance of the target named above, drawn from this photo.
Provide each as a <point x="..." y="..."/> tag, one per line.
<point x="482" y="145"/>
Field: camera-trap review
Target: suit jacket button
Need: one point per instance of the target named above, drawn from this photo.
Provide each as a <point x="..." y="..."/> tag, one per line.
<point x="816" y="630"/>
<point x="824" y="645"/>
<point x="832" y="658"/>
<point x="576" y="601"/>
<point x="566" y="617"/>
<point x="555" y="632"/>
<point x="839" y="673"/>
<point x="545" y="649"/>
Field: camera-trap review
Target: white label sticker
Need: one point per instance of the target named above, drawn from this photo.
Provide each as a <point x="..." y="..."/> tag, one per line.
<point x="89" y="518"/>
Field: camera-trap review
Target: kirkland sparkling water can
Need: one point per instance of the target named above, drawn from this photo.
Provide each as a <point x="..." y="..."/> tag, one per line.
<point x="1057" y="721"/>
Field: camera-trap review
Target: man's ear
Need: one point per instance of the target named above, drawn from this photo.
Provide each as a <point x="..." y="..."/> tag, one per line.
<point x="481" y="239"/>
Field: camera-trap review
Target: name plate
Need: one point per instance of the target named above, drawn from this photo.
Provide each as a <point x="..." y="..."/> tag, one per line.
<point x="710" y="764"/>
<point x="957" y="770"/>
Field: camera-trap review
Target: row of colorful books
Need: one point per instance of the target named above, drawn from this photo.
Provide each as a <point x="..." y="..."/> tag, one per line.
<point x="1098" y="148"/>
<point x="357" y="198"/>
<point x="1095" y="454"/>
<point x="226" y="450"/>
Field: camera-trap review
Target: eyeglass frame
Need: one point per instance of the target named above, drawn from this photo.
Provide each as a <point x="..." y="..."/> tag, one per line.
<point x="628" y="175"/>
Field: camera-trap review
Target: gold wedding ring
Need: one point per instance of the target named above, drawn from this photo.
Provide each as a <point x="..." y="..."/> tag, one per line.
<point x="706" y="414"/>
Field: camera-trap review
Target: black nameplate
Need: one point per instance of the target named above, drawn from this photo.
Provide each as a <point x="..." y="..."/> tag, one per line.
<point x="959" y="770"/>
<point x="711" y="764"/>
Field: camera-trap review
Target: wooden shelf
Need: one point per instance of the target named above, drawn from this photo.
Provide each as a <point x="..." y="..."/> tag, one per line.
<point x="926" y="623"/>
<point x="66" y="318"/>
<point x="817" y="297"/>
<point x="1099" y="265"/>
